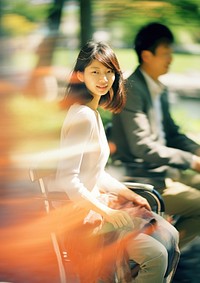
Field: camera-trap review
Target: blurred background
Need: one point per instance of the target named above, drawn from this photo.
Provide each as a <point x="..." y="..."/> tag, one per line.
<point x="39" y="42"/>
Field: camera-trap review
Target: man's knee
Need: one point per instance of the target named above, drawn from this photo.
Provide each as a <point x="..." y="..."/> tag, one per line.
<point x="148" y="250"/>
<point x="157" y="253"/>
<point x="156" y="262"/>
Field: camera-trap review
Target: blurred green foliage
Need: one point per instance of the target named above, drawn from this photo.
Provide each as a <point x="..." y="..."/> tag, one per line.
<point x="124" y="18"/>
<point x="119" y="18"/>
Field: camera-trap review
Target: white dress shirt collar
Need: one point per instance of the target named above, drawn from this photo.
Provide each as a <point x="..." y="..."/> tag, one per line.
<point x="155" y="88"/>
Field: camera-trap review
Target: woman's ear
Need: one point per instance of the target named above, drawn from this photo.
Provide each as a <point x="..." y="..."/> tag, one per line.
<point x="80" y="76"/>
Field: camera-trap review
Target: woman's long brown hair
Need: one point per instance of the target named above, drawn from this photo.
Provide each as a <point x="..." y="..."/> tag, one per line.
<point x="77" y="92"/>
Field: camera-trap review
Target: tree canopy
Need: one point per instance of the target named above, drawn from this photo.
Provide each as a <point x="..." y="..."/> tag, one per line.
<point x="120" y="18"/>
<point x="127" y="16"/>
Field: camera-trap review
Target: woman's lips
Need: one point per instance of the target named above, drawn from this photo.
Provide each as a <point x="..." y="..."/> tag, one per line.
<point x="102" y="87"/>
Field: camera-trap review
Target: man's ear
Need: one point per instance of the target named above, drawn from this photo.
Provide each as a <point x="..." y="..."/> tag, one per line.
<point x="80" y="76"/>
<point x="146" y="55"/>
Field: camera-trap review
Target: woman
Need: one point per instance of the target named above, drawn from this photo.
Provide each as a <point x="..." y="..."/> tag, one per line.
<point x="104" y="208"/>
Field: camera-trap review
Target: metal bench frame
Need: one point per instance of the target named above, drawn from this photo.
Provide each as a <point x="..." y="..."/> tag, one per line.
<point x="40" y="174"/>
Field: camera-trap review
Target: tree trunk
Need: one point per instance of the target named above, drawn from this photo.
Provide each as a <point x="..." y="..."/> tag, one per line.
<point x="85" y="21"/>
<point x="42" y="82"/>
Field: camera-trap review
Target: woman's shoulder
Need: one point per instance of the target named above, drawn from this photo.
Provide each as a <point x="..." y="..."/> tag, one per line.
<point x="81" y="111"/>
<point x="80" y="115"/>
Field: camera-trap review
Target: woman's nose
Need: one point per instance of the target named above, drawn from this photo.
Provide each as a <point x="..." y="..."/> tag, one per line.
<point x="103" y="78"/>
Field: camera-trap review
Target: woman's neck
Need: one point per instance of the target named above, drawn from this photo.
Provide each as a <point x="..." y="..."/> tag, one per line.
<point x="94" y="103"/>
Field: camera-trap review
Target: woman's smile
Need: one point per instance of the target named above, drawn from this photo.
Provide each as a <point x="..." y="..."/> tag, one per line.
<point x="102" y="87"/>
<point x="98" y="78"/>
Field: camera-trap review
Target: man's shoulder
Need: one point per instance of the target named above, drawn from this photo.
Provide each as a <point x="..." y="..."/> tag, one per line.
<point x="134" y="74"/>
<point x="136" y="81"/>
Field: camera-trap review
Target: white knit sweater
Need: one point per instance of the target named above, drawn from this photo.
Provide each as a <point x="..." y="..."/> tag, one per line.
<point x="84" y="154"/>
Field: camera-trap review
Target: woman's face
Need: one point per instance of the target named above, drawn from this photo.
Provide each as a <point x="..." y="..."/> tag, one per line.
<point x="97" y="78"/>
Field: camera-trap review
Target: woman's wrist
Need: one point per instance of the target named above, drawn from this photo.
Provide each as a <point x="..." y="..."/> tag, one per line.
<point x="127" y="193"/>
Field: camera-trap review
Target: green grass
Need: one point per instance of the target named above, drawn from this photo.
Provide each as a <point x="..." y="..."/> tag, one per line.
<point x="128" y="61"/>
<point x="187" y="124"/>
<point x="183" y="63"/>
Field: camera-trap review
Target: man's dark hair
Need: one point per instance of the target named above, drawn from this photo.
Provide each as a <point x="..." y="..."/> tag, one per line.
<point x="150" y="36"/>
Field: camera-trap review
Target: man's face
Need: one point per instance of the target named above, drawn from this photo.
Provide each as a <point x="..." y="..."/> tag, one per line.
<point x="157" y="64"/>
<point x="163" y="58"/>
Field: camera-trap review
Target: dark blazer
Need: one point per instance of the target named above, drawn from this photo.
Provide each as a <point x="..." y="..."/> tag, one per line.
<point x="135" y="133"/>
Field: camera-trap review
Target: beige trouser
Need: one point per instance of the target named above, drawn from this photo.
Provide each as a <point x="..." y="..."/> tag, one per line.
<point x="184" y="201"/>
<point x="151" y="252"/>
<point x="181" y="194"/>
<point x="152" y="257"/>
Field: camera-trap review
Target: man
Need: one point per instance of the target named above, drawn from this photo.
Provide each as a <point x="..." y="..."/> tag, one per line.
<point x="148" y="141"/>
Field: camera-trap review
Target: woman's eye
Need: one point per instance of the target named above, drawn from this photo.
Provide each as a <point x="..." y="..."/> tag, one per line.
<point x="110" y="71"/>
